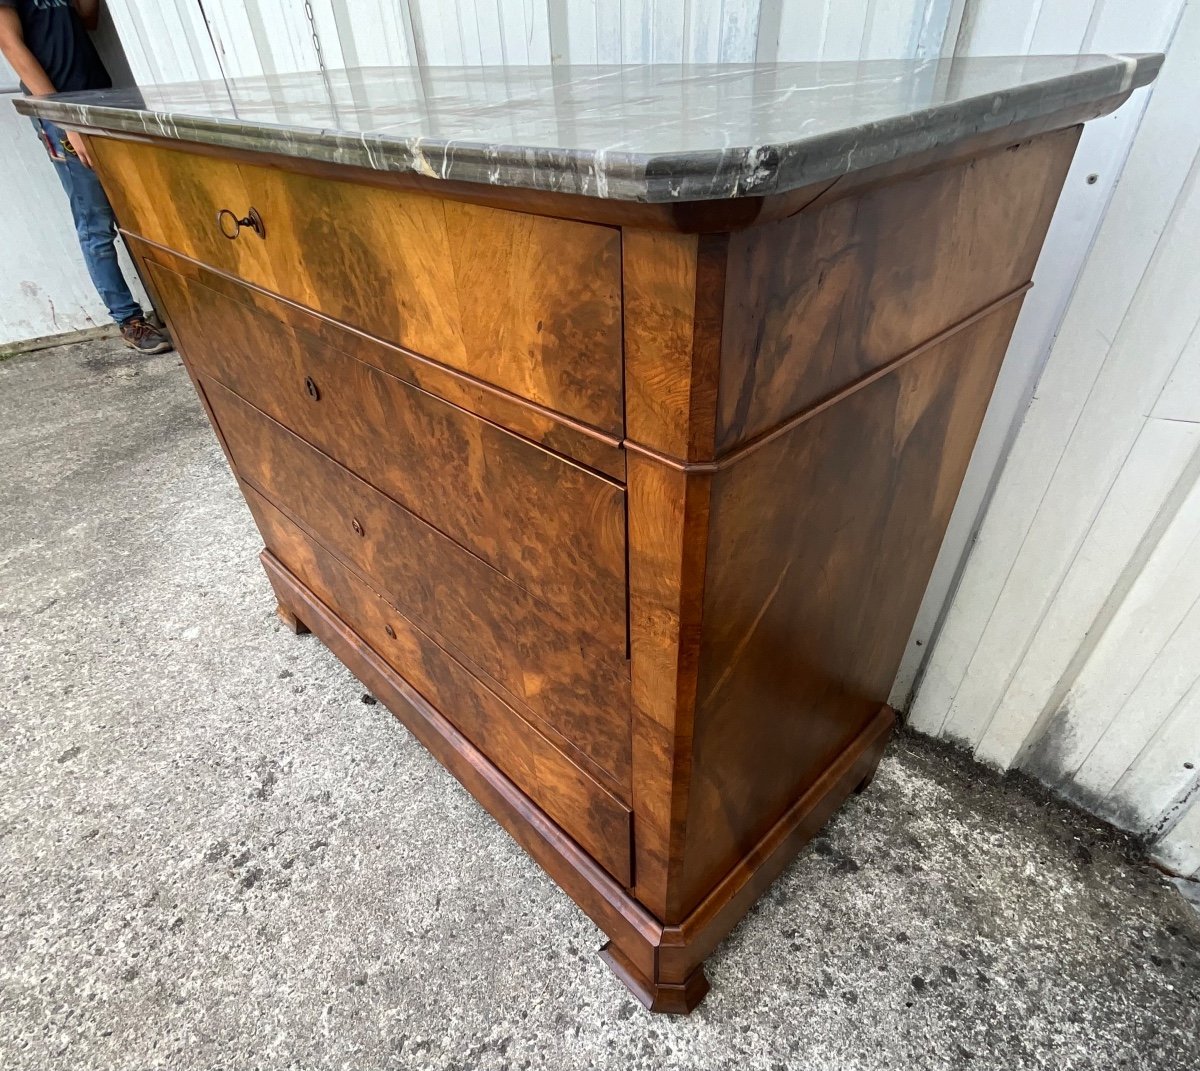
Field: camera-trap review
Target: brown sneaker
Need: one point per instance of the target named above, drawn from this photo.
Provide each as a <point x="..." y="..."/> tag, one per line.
<point x="139" y="335"/>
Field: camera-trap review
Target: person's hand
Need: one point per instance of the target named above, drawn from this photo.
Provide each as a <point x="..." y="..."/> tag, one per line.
<point x="80" y="146"/>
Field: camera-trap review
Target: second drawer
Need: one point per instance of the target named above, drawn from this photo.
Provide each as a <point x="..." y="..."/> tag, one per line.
<point x="554" y="528"/>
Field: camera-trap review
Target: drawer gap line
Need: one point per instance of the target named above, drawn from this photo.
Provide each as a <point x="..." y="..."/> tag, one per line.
<point x="579" y="426"/>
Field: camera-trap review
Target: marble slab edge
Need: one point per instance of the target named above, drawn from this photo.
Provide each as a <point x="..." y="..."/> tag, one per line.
<point x="745" y="171"/>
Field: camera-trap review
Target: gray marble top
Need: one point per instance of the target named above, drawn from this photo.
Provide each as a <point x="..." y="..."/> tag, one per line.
<point x="637" y="133"/>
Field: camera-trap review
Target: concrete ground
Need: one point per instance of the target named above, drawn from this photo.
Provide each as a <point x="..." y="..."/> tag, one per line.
<point x="216" y="852"/>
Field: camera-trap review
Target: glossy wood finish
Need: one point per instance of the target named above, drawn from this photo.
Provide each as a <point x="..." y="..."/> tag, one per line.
<point x="587" y="446"/>
<point x="684" y="946"/>
<point x="642" y="583"/>
<point x="550" y="526"/>
<point x="783" y="526"/>
<point x="662" y="965"/>
<point x="828" y="296"/>
<point x="808" y="600"/>
<point x="527" y="303"/>
<point x="674" y="296"/>
<point x="667" y="997"/>
<point x="668" y="523"/>
<point x="538" y="657"/>
<point x="606" y="903"/>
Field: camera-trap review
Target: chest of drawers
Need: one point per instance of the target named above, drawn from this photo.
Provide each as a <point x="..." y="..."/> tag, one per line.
<point x="624" y="504"/>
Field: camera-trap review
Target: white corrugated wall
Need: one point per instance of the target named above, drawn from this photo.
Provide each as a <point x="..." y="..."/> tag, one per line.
<point x="1066" y="646"/>
<point x="1071" y="647"/>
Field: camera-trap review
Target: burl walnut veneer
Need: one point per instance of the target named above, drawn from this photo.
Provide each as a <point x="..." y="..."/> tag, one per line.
<point x="613" y="459"/>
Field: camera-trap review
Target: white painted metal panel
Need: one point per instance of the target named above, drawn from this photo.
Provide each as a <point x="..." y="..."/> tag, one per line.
<point x="1179" y="850"/>
<point x="853" y="29"/>
<point x="1139" y="213"/>
<point x="524" y="32"/>
<point x="1165" y="693"/>
<point x="704" y="26"/>
<point x="1180" y="398"/>
<point x="1001" y="27"/>
<point x="989" y="28"/>
<point x="39" y="244"/>
<point x="1161" y="782"/>
<point x="166" y="42"/>
<point x="364" y="33"/>
<point x="1070" y="645"/>
<point x="1134" y="367"/>
<point x="1118" y="688"/>
<point x="1126" y="526"/>
<point x="584" y="31"/>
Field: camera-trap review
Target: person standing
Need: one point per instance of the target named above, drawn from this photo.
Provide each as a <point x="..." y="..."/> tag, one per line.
<point x="46" y="42"/>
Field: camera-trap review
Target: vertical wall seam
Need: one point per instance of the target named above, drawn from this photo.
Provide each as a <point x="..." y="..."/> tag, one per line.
<point x="1137" y="290"/>
<point x="1130" y="572"/>
<point x="1180" y="704"/>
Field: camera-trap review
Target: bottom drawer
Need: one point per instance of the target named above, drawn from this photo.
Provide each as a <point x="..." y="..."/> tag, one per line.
<point x="597" y="820"/>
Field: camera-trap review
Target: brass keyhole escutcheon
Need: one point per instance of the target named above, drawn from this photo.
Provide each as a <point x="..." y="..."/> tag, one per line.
<point x="356" y="524"/>
<point x="311" y="387"/>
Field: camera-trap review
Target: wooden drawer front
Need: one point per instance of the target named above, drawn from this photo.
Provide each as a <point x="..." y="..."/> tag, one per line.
<point x="553" y="527"/>
<point x="528" y="303"/>
<point x="596" y="451"/>
<point x="589" y="813"/>
<point x="538" y="656"/>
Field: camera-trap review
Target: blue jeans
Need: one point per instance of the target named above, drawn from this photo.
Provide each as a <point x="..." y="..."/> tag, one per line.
<point x="96" y="227"/>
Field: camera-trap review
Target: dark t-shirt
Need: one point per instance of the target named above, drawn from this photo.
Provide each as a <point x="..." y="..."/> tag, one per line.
<point x="55" y="34"/>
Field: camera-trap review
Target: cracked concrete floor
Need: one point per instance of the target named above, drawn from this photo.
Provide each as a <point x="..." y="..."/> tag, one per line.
<point x="215" y="852"/>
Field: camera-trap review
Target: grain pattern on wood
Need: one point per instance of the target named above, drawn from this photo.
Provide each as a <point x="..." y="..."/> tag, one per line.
<point x="528" y="303"/>
<point x="592" y="449"/>
<point x="817" y="301"/>
<point x="590" y="814"/>
<point x="674" y="287"/>
<point x="810" y="596"/>
<point x="657" y="995"/>
<point x="549" y="525"/>
<point x="668" y="524"/>
<point x="174" y="197"/>
<point x="661" y="965"/>
<point x="685" y="946"/>
<point x="540" y="658"/>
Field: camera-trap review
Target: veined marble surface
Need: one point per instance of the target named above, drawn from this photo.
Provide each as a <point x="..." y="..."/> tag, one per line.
<point x="640" y="133"/>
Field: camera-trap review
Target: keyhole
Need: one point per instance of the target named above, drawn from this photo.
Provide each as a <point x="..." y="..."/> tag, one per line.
<point x="356" y="525"/>
<point x="311" y="386"/>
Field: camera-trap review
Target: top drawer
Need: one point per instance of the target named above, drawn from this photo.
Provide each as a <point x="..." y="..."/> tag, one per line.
<point x="527" y="303"/>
